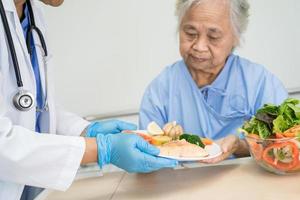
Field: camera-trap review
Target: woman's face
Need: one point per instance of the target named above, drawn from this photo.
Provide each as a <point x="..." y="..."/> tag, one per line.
<point x="206" y="35"/>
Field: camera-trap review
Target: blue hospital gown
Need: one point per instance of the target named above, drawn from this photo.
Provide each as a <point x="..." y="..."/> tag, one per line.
<point x="215" y="110"/>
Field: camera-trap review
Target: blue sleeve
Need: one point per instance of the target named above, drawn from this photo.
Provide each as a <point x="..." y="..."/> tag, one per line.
<point x="270" y="90"/>
<point x="152" y="107"/>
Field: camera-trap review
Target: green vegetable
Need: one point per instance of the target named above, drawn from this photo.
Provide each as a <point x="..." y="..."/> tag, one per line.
<point x="263" y="130"/>
<point x="251" y="126"/>
<point x="193" y="139"/>
<point x="296" y="110"/>
<point x="257" y="127"/>
<point x="269" y="109"/>
<point x="287" y="112"/>
<point x="268" y="119"/>
<point x="292" y="101"/>
<point x="280" y="124"/>
<point x="271" y="119"/>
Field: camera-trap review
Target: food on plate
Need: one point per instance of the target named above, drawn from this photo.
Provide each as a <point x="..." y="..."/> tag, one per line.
<point x="273" y="136"/>
<point x="206" y="141"/>
<point x="141" y="133"/>
<point x="173" y="130"/>
<point x="155" y="140"/>
<point x="160" y="140"/>
<point x="193" y="139"/>
<point x="182" y="148"/>
<point x="154" y="129"/>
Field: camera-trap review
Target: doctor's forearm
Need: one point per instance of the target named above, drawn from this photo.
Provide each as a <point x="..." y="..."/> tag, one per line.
<point x="91" y="153"/>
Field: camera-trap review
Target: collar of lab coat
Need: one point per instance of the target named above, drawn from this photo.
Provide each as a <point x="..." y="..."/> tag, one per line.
<point x="9" y="5"/>
<point x="11" y="13"/>
<point x="10" y="9"/>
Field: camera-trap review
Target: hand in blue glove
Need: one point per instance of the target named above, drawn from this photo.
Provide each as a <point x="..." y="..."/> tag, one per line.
<point x="108" y="127"/>
<point x="131" y="153"/>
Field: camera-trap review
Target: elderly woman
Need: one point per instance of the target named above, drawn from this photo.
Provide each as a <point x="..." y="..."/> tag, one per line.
<point x="211" y="91"/>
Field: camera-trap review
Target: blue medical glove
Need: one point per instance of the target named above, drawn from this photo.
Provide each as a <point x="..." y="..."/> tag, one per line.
<point x="108" y="127"/>
<point x="131" y="153"/>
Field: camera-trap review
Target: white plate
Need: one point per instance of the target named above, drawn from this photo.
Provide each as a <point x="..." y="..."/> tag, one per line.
<point x="213" y="150"/>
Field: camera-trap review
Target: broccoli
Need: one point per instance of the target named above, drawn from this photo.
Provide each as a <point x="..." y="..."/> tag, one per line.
<point x="193" y="139"/>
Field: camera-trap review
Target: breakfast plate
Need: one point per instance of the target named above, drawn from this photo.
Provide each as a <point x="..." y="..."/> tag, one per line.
<point x="208" y="152"/>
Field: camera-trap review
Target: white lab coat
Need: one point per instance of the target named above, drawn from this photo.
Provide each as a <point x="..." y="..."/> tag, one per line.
<point x="43" y="160"/>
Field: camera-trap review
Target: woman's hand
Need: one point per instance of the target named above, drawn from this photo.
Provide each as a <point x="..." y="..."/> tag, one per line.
<point x="229" y="145"/>
<point x="173" y="130"/>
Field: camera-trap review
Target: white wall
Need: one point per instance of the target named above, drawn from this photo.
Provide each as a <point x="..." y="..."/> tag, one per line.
<point x="106" y="52"/>
<point x="273" y="38"/>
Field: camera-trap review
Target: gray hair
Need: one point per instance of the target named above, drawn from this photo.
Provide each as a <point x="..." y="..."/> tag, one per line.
<point x="239" y="13"/>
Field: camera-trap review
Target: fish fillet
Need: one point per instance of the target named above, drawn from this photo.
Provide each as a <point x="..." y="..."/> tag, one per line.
<point x="182" y="148"/>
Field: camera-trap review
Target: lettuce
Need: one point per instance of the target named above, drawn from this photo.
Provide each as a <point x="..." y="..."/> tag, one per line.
<point x="263" y="130"/>
<point x="280" y="124"/>
<point x="269" y="109"/>
<point x="257" y="127"/>
<point x="296" y="110"/>
<point x="271" y="119"/>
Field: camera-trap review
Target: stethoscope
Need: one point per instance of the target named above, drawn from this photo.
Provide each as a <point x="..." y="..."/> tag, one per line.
<point x="23" y="100"/>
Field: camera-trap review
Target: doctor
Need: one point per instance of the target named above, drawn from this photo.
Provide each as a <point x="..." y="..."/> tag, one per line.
<point x="28" y="108"/>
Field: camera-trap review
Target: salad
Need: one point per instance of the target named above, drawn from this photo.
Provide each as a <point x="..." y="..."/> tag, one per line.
<point x="273" y="136"/>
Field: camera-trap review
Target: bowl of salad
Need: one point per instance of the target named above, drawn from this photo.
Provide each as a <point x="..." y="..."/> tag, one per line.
<point x="273" y="137"/>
